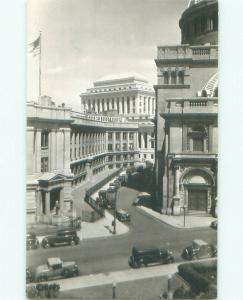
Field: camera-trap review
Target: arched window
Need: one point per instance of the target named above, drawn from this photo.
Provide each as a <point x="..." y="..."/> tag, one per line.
<point x="181" y="77"/>
<point x="173" y="77"/>
<point x="166" y="78"/>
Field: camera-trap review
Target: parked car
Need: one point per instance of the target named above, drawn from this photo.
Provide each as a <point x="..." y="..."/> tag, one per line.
<point x="114" y="185"/>
<point x="61" y="238"/>
<point x="55" y="268"/>
<point x="123" y="216"/>
<point x="147" y="256"/>
<point x="214" y="224"/>
<point x="142" y="198"/>
<point x="199" y="249"/>
<point x="31" y="241"/>
<point x="29" y="275"/>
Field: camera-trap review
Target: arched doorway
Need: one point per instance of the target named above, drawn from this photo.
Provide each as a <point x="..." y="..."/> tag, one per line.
<point x="198" y="189"/>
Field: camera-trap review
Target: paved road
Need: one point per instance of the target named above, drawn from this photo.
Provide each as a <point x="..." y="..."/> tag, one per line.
<point x="111" y="253"/>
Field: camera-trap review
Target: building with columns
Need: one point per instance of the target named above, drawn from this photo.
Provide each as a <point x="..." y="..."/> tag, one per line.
<point x="129" y="96"/>
<point x="65" y="150"/>
<point x="187" y="112"/>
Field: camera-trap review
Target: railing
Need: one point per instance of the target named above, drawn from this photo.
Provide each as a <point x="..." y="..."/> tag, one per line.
<point x="187" y="52"/>
<point x="192" y="105"/>
<point x="92" y="202"/>
<point x="35" y="110"/>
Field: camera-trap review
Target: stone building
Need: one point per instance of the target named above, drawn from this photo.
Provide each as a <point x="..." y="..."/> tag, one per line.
<point x="186" y="114"/>
<point x="129" y="96"/>
<point x="68" y="149"/>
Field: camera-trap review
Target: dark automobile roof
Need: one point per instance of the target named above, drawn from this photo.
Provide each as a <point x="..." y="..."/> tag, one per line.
<point x="147" y="250"/>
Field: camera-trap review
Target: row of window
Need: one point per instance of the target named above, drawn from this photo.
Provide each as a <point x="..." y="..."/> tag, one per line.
<point x="120" y="157"/>
<point x="118" y="147"/>
<point x="201" y="25"/>
<point x="101" y="105"/>
<point x="118" y="135"/>
<point x="173" y="77"/>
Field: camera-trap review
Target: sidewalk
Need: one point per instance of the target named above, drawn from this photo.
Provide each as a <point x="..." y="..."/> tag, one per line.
<point x="118" y="277"/>
<point x="101" y="228"/>
<point x="191" y="221"/>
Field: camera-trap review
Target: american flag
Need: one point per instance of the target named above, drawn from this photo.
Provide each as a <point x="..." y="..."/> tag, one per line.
<point x="34" y="47"/>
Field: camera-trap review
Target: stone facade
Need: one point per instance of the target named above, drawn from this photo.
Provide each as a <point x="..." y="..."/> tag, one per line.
<point x="129" y="96"/>
<point x="186" y="118"/>
<point x="65" y="150"/>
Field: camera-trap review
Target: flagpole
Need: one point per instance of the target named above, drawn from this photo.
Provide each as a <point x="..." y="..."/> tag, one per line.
<point x="40" y="68"/>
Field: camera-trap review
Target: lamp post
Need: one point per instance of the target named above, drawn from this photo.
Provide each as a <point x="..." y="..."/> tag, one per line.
<point x="112" y="196"/>
<point x="184" y="214"/>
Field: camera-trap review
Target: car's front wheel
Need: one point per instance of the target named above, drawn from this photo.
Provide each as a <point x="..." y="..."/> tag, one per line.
<point x="47" y="245"/>
<point x="66" y="273"/>
<point x="72" y="243"/>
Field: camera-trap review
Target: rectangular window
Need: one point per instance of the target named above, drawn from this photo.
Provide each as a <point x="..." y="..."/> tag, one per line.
<point x="44" y="164"/>
<point x="117" y="135"/>
<point x="198" y="144"/>
<point x="109" y="136"/>
<point x="131" y="135"/>
<point x="131" y="146"/>
<point x="118" y="147"/>
<point x="44" y="139"/>
<point x="124" y="135"/>
<point x="124" y="147"/>
<point x="110" y="147"/>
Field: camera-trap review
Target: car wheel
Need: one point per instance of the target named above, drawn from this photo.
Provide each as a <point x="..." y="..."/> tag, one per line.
<point x="47" y="245"/>
<point x="72" y="243"/>
<point x="66" y="273"/>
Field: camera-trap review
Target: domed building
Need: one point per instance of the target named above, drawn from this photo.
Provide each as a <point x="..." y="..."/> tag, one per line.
<point x="187" y="113"/>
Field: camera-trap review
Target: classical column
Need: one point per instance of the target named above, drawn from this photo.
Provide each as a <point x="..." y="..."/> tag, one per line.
<point x="53" y="150"/>
<point x="125" y="106"/>
<point x="72" y="145"/>
<point x="61" y="199"/>
<point x="120" y="106"/>
<point x="176" y="197"/>
<point x="47" y="203"/>
<point x="38" y="151"/>
<point x="115" y="103"/>
<point x="96" y="106"/>
<point x="60" y="146"/>
<point x="30" y="150"/>
<point x="66" y="154"/>
<point x="105" y="105"/>
<point x="142" y="140"/>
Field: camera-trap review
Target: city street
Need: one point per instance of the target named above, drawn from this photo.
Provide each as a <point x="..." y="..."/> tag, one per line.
<point x="111" y="253"/>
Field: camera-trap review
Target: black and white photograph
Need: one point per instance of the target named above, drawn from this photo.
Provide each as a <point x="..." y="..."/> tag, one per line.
<point x="122" y="149"/>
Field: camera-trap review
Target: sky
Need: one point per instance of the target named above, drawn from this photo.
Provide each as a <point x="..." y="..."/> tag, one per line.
<point x="84" y="40"/>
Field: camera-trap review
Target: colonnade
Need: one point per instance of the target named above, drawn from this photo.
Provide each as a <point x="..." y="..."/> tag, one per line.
<point x="123" y="105"/>
<point x="86" y="144"/>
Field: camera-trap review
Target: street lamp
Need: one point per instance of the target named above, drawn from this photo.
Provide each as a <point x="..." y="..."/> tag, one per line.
<point x="184" y="213"/>
<point x="112" y="197"/>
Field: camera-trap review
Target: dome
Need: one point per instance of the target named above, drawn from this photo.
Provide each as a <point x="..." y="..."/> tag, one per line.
<point x="194" y="2"/>
<point x="199" y="23"/>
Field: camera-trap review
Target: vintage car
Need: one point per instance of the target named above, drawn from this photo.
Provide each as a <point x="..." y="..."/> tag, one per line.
<point x="61" y="238"/>
<point x="143" y="198"/>
<point x="148" y="256"/>
<point x="55" y="268"/>
<point x="214" y="224"/>
<point x="31" y="241"/>
<point x="199" y="249"/>
<point x="123" y="216"/>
